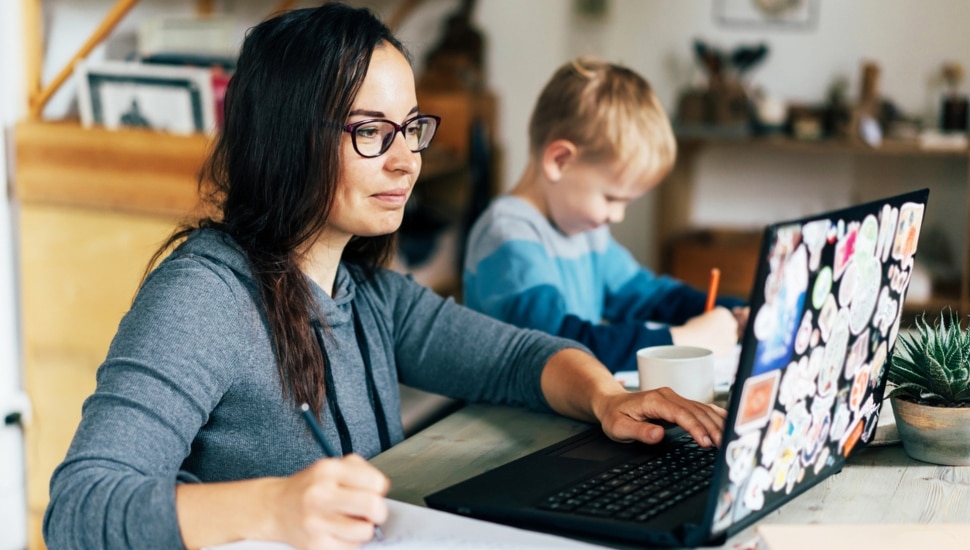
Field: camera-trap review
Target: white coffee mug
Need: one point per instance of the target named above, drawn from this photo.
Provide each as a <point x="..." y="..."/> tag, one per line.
<point x="687" y="370"/>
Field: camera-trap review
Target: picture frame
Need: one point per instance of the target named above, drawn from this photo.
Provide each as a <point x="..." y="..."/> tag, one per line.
<point x="173" y="99"/>
<point x="767" y="14"/>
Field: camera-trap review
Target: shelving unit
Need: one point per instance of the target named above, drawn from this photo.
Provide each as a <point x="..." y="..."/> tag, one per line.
<point x="689" y="252"/>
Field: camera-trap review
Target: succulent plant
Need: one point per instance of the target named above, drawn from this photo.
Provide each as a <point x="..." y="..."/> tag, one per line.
<point x="931" y="365"/>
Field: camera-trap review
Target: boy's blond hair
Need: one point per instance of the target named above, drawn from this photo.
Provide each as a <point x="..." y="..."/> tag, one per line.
<point x="609" y="112"/>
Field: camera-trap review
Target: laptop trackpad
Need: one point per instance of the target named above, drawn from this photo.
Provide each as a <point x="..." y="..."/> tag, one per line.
<point x="598" y="447"/>
<point x="592" y="450"/>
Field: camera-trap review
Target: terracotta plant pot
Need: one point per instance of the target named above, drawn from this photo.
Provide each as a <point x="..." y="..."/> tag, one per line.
<point x="938" y="435"/>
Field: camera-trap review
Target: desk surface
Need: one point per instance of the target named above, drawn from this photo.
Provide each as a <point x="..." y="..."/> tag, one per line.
<point x="878" y="485"/>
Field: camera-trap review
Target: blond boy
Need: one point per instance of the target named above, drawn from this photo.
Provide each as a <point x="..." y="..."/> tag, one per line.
<point x="542" y="256"/>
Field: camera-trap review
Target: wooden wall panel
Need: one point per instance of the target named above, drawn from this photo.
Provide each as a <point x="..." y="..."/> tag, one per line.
<point x="79" y="270"/>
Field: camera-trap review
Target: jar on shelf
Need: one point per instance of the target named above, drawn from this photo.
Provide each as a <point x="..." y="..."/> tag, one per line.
<point x="955" y="106"/>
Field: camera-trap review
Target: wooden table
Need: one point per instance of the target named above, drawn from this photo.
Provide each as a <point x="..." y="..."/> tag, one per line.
<point x="878" y="485"/>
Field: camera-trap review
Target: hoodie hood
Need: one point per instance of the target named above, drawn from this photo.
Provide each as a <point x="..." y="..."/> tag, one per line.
<point x="221" y="249"/>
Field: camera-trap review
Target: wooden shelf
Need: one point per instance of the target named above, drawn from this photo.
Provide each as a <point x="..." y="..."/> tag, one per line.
<point x="889" y="147"/>
<point x="133" y="171"/>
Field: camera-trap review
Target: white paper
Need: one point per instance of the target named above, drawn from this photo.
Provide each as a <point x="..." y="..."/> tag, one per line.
<point x="415" y="527"/>
<point x="725" y="369"/>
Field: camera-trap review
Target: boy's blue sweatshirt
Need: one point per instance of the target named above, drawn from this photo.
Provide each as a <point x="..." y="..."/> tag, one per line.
<point x="520" y="269"/>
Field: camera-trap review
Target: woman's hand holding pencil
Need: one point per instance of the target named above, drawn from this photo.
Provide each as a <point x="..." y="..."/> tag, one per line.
<point x="336" y="502"/>
<point x="333" y="503"/>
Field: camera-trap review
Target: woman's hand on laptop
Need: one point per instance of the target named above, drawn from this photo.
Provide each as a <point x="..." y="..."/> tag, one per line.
<point x="716" y="330"/>
<point x="642" y="416"/>
<point x="577" y="385"/>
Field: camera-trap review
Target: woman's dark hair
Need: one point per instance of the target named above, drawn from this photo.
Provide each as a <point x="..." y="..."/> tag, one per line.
<point x="273" y="172"/>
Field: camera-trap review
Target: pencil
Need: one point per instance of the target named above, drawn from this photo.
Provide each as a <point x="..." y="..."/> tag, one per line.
<point x="328" y="449"/>
<point x="317" y="432"/>
<point x="712" y="288"/>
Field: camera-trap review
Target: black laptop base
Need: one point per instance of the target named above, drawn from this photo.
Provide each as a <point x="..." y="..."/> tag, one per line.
<point x="532" y="479"/>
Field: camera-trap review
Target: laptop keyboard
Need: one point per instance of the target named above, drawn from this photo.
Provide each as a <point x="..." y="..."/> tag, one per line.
<point x="639" y="489"/>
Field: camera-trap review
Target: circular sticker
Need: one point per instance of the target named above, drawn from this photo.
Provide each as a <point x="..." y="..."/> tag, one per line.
<point x="740" y="455"/>
<point x="859" y="387"/>
<point x="823" y="285"/>
<point x="754" y="492"/>
<point x="877" y="365"/>
<point x="867" y="238"/>
<point x="773" y="438"/>
<point x="834" y="356"/>
<point x="826" y="317"/>
<point x="847" y="286"/>
<point x="821" y="460"/>
<point x="866" y="292"/>
<point x="804" y="334"/>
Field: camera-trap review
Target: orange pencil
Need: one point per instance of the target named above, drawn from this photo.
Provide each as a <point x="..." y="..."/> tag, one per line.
<point x="712" y="288"/>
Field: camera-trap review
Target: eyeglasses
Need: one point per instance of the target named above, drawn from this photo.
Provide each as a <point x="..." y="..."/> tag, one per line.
<point x="373" y="137"/>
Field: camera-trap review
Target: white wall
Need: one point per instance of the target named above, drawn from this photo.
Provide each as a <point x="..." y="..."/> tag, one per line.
<point x="13" y="507"/>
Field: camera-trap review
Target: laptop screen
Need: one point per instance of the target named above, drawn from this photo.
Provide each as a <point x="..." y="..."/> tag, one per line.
<point x="825" y="311"/>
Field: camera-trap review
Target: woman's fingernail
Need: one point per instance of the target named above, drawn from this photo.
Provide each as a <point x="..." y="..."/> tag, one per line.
<point x="707" y="441"/>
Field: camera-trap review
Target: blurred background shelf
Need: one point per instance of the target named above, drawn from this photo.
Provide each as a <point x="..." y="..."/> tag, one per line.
<point x="888" y="147"/>
<point x="133" y="171"/>
<point x="145" y="172"/>
<point x="689" y="250"/>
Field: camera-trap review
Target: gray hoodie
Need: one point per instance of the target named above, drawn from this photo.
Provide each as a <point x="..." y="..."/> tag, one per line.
<point x="189" y="391"/>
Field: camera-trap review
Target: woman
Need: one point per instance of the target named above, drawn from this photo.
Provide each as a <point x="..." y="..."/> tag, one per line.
<point x="194" y="434"/>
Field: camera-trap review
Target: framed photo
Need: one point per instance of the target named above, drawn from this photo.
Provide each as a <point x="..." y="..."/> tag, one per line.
<point x="779" y="14"/>
<point x="175" y="99"/>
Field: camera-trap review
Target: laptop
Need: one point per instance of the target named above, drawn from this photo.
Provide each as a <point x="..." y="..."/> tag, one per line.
<point x="825" y="312"/>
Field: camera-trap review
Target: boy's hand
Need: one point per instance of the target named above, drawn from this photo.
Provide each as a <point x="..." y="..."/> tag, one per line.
<point x="741" y="316"/>
<point x="716" y="330"/>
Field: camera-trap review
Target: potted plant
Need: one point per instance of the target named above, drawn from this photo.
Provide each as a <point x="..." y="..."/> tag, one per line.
<point x="930" y="372"/>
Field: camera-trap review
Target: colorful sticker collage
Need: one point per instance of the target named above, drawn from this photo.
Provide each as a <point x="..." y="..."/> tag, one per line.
<point x="831" y="307"/>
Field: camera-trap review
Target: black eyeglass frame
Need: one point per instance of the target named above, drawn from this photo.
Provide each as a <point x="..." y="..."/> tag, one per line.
<point x="398" y="129"/>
